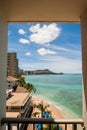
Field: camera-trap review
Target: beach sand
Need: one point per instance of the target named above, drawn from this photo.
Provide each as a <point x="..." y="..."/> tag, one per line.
<point x="55" y="112"/>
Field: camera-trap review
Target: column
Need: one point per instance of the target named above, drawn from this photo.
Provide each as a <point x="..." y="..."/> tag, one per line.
<point x="84" y="64"/>
<point x="3" y="68"/>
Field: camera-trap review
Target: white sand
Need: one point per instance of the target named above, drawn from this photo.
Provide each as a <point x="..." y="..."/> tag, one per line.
<point x="55" y="111"/>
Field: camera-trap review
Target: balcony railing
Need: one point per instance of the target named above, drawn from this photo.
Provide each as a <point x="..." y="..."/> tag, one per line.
<point x="61" y="124"/>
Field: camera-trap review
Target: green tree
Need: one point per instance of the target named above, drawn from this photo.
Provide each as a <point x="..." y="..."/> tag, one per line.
<point x="35" y="114"/>
<point x="30" y="87"/>
<point x="21" y="81"/>
<point x="43" y="108"/>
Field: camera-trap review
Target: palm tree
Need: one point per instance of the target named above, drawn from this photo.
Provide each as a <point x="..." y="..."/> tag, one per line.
<point x="21" y="81"/>
<point x="35" y="114"/>
<point x="30" y="87"/>
<point x="43" y="108"/>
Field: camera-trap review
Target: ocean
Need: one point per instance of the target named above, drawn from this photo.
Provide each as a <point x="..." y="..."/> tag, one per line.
<point x="63" y="91"/>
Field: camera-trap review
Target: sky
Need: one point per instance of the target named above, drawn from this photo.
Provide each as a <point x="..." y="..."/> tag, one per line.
<point x="52" y="46"/>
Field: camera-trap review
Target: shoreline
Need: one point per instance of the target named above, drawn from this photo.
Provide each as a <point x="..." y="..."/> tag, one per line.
<point x="56" y="111"/>
<point x="55" y="90"/>
<point x="67" y="113"/>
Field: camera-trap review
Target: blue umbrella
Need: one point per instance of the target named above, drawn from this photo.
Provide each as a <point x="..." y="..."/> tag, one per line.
<point x="49" y="116"/>
<point x="44" y="114"/>
<point x="39" y="126"/>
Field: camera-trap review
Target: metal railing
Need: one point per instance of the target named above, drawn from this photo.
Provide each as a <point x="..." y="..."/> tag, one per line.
<point x="61" y="124"/>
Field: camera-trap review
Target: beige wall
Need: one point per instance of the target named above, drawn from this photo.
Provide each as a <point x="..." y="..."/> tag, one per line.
<point x="44" y="10"/>
<point x="84" y="63"/>
<point x="3" y="67"/>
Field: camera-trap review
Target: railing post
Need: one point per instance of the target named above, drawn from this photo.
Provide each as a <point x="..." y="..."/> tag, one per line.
<point x="65" y="126"/>
<point x="9" y="126"/>
<point x="41" y="126"/>
<point x="74" y="127"/>
<point x="49" y="126"/>
<point x="33" y="126"/>
<point x="83" y="127"/>
<point x="18" y="126"/>
<point x="57" y="126"/>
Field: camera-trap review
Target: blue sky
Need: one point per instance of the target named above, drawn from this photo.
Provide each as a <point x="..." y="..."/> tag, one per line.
<point x="46" y="46"/>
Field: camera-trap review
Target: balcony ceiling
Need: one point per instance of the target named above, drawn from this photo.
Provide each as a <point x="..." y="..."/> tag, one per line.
<point x="44" y="10"/>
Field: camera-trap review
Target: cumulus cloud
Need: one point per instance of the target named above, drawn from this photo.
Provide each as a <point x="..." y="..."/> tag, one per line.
<point x="35" y="28"/>
<point x="21" y="31"/>
<point x="44" y="34"/>
<point x="28" y="53"/>
<point x="24" y="41"/>
<point x="43" y="51"/>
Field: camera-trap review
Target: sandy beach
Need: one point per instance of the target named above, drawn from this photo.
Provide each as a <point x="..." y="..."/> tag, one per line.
<point x="55" y="112"/>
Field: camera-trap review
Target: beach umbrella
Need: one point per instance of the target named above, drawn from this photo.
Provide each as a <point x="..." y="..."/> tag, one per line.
<point x="43" y="114"/>
<point x="49" y="116"/>
<point x="39" y="126"/>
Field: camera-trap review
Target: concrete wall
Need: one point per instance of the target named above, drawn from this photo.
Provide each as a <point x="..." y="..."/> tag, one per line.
<point x="84" y="64"/>
<point x="3" y="66"/>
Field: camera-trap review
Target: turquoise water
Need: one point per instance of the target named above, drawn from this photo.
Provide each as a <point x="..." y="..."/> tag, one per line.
<point x="64" y="91"/>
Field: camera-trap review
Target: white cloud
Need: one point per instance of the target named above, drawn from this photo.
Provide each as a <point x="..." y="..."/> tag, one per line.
<point x="21" y="31"/>
<point x="24" y="41"/>
<point x="43" y="51"/>
<point x="60" y="48"/>
<point x="44" y="34"/>
<point x="55" y="64"/>
<point x="28" y="53"/>
<point x="35" y="28"/>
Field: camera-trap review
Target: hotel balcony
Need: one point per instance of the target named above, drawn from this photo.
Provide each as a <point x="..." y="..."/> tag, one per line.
<point x="74" y="11"/>
<point x="31" y="124"/>
<point x="19" y="109"/>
